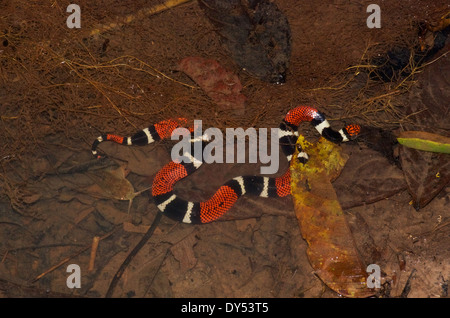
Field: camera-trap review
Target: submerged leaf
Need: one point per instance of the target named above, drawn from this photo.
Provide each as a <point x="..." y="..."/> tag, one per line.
<point x="331" y="249"/>
<point x="113" y="184"/>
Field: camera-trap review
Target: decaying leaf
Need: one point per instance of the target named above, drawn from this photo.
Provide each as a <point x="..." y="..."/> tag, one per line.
<point x="331" y="249"/>
<point x="112" y="183"/>
<point x="426" y="174"/>
<point x="371" y="178"/>
<point x="221" y="85"/>
<point x="256" y="33"/>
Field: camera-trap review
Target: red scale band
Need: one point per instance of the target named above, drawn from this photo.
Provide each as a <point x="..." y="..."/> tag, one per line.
<point x="300" y="114"/>
<point x="165" y="128"/>
<point x="115" y="138"/>
<point x="218" y="205"/>
<point x="283" y="184"/>
<point x="167" y="177"/>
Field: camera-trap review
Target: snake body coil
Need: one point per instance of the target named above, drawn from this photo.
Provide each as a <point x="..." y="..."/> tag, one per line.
<point x="203" y="212"/>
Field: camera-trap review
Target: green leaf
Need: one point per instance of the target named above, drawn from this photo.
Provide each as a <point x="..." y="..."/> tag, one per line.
<point x="425" y="141"/>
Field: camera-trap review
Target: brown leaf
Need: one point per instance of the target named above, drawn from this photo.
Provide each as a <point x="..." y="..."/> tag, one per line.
<point x="111" y="183"/>
<point x="144" y="161"/>
<point x="222" y="86"/>
<point x="426" y="174"/>
<point x="368" y="177"/>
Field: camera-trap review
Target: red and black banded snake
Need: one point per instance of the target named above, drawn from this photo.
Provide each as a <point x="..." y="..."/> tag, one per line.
<point x="204" y="212"/>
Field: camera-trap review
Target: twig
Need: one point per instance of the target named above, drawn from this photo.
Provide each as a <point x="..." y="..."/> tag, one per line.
<point x="139" y="15"/>
<point x="132" y="254"/>
<point x="407" y="287"/>
<point x="436" y="228"/>
<point x="95" y="241"/>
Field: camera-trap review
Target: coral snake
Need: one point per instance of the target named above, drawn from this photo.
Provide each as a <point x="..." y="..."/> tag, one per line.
<point x="203" y="212"/>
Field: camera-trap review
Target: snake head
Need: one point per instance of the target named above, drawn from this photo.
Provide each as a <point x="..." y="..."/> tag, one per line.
<point x="352" y="131"/>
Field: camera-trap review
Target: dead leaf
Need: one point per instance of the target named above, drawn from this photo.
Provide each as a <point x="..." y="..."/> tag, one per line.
<point x="109" y="212"/>
<point x="331" y="249"/>
<point x="256" y="33"/>
<point x="112" y="183"/>
<point x="82" y="215"/>
<point x="426" y="174"/>
<point x="367" y="178"/>
<point x="222" y="86"/>
<point x="144" y="161"/>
